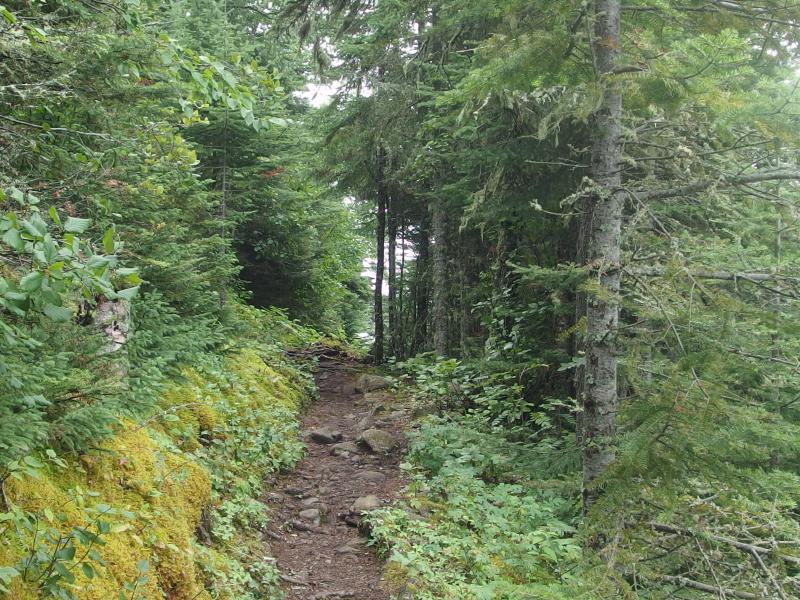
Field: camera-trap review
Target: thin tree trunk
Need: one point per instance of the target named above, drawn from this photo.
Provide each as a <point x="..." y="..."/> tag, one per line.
<point x="380" y="232"/>
<point x="602" y="257"/>
<point x="401" y="346"/>
<point x="422" y="287"/>
<point x="465" y="320"/>
<point x="392" y="224"/>
<point x="440" y="342"/>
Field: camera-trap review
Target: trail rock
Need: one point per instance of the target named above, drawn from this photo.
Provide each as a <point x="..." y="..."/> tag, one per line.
<point x="378" y="400"/>
<point x="423" y="410"/>
<point x="345" y="448"/>
<point x="379" y="441"/>
<point x="325" y="435"/>
<point x="309" y="502"/>
<point x="369" y="383"/>
<point x="366" y="423"/>
<point x="312" y="515"/>
<point x="371" y="476"/>
<point x="365" y="503"/>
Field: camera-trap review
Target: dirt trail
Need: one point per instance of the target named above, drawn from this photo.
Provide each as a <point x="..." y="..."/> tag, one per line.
<point x="313" y="533"/>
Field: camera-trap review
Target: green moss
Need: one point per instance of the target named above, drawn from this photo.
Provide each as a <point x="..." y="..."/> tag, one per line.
<point x="161" y="473"/>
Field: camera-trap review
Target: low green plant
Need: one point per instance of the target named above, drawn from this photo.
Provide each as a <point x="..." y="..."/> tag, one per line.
<point x="475" y="524"/>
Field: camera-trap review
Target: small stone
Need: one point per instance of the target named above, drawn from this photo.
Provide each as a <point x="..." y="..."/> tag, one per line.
<point x="378" y="400"/>
<point x="371" y="476"/>
<point x="379" y="441"/>
<point x="295" y="491"/>
<point x="365" y="503"/>
<point x="366" y="423"/>
<point x="346" y="550"/>
<point x="310" y="501"/>
<point x="312" y="515"/>
<point x="344" y="448"/>
<point x="423" y="410"/>
<point x="369" y="383"/>
<point x="275" y="498"/>
<point x="325" y="435"/>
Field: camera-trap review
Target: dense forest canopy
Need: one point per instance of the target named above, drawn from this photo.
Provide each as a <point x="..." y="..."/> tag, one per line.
<point x="585" y="215"/>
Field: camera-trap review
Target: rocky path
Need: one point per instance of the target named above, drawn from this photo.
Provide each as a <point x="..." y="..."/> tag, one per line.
<point x="355" y="443"/>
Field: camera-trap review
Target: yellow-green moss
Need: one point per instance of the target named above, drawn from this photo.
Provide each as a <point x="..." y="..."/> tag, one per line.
<point x="148" y="470"/>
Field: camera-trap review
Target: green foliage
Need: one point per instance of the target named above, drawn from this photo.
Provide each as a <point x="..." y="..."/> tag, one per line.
<point x="473" y="525"/>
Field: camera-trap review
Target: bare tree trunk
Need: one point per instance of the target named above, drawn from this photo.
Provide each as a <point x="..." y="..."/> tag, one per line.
<point x="380" y="232"/>
<point x="440" y="328"/>
<point x="602" y="257"/>
<point x="401" y="344"/>
<point x="422" y="287"/>
<point x="465" y="317"/>
<point x="393" y="323"/>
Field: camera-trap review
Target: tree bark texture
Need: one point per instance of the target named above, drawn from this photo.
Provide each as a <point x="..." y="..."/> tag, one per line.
<point x="392" y="250"/>
<point x="602" y="257"/>
<point x="422" y="288"/>
<point x="440" y="326"/>
<point x="380" y="233"/>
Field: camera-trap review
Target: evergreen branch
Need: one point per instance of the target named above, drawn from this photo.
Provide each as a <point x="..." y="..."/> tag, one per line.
<point x="722" y="183"/>
<point x="722" y="7"/>
<point x="754" y="277"/>
<point x="744" y="546"/>
<point x="704" y="587"/>
<point x="55" y="129"/>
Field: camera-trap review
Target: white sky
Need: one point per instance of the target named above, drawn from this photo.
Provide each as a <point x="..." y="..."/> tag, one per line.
<point x="318" y="94"/>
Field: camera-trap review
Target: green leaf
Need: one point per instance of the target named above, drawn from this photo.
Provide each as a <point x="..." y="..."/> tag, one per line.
<point x="7" y="15"/>
<point x="59" y="314"/>
<point x="108" y="241"/>
<point x="128" y="293"/>
<point x="18" y="195"/>
<point x="31" y="282"/>
<point x="13" y="239"/>
<point x="54" y="215"/>
<point x="143" y="566"/>
<point x="88" y="571"/>
<point x="77" y="225"/>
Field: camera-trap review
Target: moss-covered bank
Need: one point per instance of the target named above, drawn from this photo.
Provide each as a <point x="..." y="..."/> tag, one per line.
<point x="167" y="508"/>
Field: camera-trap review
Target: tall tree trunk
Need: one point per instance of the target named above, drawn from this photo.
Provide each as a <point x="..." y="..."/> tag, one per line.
<point x="602" y="257"/>
<point x="380" y="232"/>
<point x="393" y="323"/>
<point x="401" y="311"/>
<point x="422" y="287"/>
<point x="465" y="317"/>
<point x="440" y="329"/>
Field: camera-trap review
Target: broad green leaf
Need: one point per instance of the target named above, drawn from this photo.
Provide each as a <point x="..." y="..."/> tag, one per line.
<point x="59" y="314"/>
<point x="128" y="293"/>
<point x="31" y="282"/>
<point x="13" y="239"/>
<point x="77" y="225"/>
<point x="108" y="241"/>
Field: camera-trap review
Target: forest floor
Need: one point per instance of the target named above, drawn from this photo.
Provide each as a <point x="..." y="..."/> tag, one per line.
<point x="314" y="533"/>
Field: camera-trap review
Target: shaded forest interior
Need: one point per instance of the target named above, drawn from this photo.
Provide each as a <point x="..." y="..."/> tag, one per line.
<point x="583" y="223"/>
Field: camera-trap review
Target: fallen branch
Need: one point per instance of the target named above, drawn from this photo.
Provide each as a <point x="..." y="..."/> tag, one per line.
<point x="749" y="548"/>
<point x="704" y="587"/>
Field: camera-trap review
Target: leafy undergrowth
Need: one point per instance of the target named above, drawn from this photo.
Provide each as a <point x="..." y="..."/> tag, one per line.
<point x="474" y="524"/>
<point x="493" y="510"/>
<point x="168" y="506"/>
